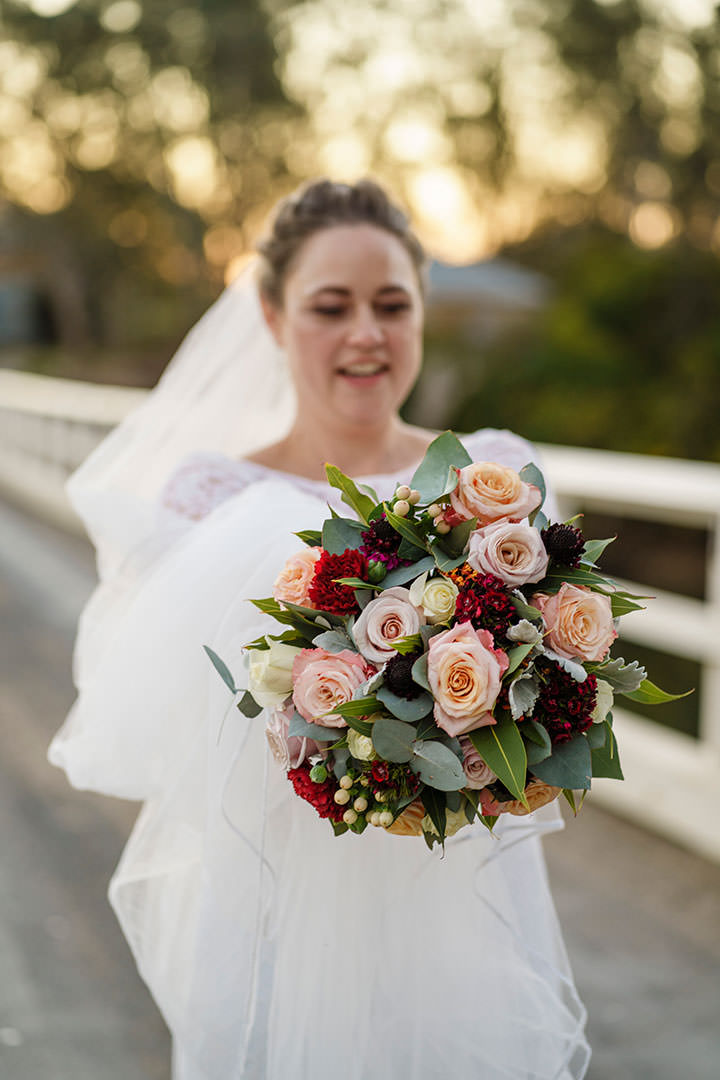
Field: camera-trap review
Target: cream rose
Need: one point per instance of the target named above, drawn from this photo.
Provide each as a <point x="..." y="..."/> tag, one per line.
<point x="322" y="680"/>
<point x="512" y="552"/>
<point x="360" y="746"/>
<point x="578" y="622"/>
<point x="478" y="773"/>
<point x="270" y="670"/>
<point x="293" y="581"/>
<point x="464" y="672"/>
<point x="437" y="598"/>
<point x="388" y="618"/>
<point x="288" y="750"/>
<point x="492" y="492"/>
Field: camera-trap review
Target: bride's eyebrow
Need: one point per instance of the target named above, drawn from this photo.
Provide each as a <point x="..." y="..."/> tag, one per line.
<point x="339" y="290"/>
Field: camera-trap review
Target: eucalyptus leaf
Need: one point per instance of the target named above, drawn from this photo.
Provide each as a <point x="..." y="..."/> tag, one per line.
<point x="393" y="740"/>
<point x="454" y="801"/>
<point x="536" y="733"/>
<point x="605" y="759"/>
<point x="222" y="669"/>
<point x="596" y="735"/>
<point x="538" y="520"/>
<point x="300" y="727"/>
<point x="340" y="760"/>
<point x="455" y="542"/>
<point x="409" y="710"/>
<point x="411" y="551"/>
<point x="436" y="476"/>
<point x="248" y="706"/>
<point x="403" y="574"/>
<point x="437" y="766"/>
<point x="536" y="753"/>
<point x="446" y="562"/>
<point x="568" y="766"/>
<point x="419" y="672"/>
<point x="501" y="747"/>
<point x="339" y="534"/>
<point x="531" y="474"/>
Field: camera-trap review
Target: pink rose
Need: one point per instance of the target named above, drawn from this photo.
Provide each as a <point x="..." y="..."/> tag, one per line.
<point x="464" y="672"/>
<point x="578" y="622"/>
<point x="293" y="582"/>
<point x="288" y="750"/>
<point x="492" y="492"/>
<point x="478" y="773"/>
<point x="512" y="552"/>
<point x="388" y="618"/>
<point x="323" y="679"/>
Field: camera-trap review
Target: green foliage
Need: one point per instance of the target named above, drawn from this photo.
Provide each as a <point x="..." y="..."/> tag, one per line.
<point x="501" y="746"/>
<point x="222" y="669"/>
<point x="569" y="765"/>
<point x="436" y="475"/>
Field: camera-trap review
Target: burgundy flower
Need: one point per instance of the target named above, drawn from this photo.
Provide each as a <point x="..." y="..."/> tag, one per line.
<point x="381" y="542"/>
<point x="484" y="601"/>
<point x="564" y="544"/>
<point x="318" y="795"/>
<point x="564" y="706"/>
<point x="324" y="592"/>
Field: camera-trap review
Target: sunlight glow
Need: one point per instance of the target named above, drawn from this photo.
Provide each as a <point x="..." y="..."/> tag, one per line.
<point x="50" y="8"/>
<point x="121" y="16"/>
<point x="653" y="224"/>
<point x="193" y="167"/>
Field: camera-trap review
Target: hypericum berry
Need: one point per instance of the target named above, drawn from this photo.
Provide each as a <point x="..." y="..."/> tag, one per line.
<point x="350" y="817"/>
<point x="374" y="818"/>
<point x="442" y="528"/>
<point x="341" y="796"/>
<point x="403" y="491"/>
<point x="386" y="819"/>
<point x="414" y="497"/>
<point x="346" y="781"/>
<point x="401" y="508"/>
<point x="318" y="774"/>
<point x="360" y="804"/>
<point x="434" y="510"/>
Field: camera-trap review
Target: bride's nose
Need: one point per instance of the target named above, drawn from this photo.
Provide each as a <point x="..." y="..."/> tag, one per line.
<point x="365" y="331"/>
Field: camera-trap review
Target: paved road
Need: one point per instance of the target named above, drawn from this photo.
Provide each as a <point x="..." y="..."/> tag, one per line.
<point x="641" y="916"/>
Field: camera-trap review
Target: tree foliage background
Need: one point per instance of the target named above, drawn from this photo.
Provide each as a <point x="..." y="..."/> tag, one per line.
<point x="142" y="144"/>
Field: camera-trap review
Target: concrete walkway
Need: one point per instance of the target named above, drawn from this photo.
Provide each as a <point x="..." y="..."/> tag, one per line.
<point x="641" y="916"/>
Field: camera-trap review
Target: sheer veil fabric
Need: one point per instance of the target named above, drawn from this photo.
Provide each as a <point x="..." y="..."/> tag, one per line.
<point x="273" y="949"/>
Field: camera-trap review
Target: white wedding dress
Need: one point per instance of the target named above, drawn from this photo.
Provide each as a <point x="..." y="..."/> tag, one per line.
<point x="274" y="950"/>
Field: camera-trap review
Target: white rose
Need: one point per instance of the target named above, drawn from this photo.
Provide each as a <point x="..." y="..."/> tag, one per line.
<point x="437" y="598"/>
<point x="604" y="701"/>
<point x="390" y="617"/>
<point x="360" y="746"/>
<point x="512" y="552"/>
<point x="271" y="673"/>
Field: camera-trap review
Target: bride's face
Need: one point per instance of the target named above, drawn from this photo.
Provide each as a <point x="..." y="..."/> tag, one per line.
<point x="351" y="323"/>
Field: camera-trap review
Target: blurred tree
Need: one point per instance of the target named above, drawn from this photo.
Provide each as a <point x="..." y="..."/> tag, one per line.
<point x="143" y="136"/>
<point x="626" y="356"/>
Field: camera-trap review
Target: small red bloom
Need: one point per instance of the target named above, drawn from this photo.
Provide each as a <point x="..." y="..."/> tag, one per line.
<point x="318" y="795"/>
<point x="324" y="592"/>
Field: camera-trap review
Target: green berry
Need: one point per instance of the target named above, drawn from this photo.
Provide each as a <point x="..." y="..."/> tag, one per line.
<point x="318" y="774"/>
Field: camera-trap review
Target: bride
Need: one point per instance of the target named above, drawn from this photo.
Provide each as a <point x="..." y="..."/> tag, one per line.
<point x="273" y="949"/>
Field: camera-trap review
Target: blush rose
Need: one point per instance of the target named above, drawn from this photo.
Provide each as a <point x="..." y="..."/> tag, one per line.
<point x="511" y="551"/>
<point x="492" y="492"/>
<point x="322" y="680"/>
<point x="464" y="672"/>
<point x="293" y="582"/>
<point x="477" y="771"/>
<point x="578" y="622"/>
<point x="288" y="750"/>
<point x="386" y="619"/>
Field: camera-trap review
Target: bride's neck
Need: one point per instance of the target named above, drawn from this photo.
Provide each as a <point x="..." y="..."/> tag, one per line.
<point x="359" y="451"/>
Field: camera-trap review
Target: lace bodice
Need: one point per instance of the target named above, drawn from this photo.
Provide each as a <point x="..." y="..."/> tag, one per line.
<point x="205" y="480"/>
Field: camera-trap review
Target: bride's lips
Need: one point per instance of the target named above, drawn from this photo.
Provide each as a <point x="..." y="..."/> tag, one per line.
<point x="363" y="371"/>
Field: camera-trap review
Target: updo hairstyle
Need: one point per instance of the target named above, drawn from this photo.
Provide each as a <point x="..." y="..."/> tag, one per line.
<point x="320" y="205"/>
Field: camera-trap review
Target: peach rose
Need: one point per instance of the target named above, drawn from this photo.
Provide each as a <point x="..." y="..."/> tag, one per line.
<point x="578" y="622"/>
<point x="492" y="492"/>
<point x="322" y="679"/>
<point x="537" y="793"/>
<point x="288" y="750"/>
<point x="478" y="773"/>
<point x="512" y="552"/>
<point x="294" y="579"/>
<point x="388" y="618"/>
<point x="464" y="672"/>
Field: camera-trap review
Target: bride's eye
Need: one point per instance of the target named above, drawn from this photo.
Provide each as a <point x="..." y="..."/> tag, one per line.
<point x="395" y="308"/>
<point x="328" y="310"/>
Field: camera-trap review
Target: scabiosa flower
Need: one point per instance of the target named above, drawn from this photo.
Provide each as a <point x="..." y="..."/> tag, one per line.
<point x="564" y="706"/>
<point x="324" y="591"/>
<point x="483" y="600"/>
<point x="318" y="795"/>
<point x="398" y="676"/>
<point x="564" y="544"/>
<point x="381" y="542"/>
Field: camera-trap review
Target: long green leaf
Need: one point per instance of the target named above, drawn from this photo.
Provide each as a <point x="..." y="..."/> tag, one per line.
<point x="433" y="478"/>
<point x="517" y="654"/>
<point x="360" y="707"/>
<point x="222" y="669"/>
<point x="434" y="803"/>
<point x="403" y="574"/>
<point x="363" y="505"/>
<point x="501" y="747"/>
<point x="407" y="529"/>
<point x="650" y="694"/>
<point x="594" y="548"/>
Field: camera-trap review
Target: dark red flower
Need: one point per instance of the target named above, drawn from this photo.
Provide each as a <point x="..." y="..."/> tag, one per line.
<point x="564" y="544"/>
<point x="325" y="594"/>
<point x="564" y="706"/>
<point x="381" y="542"/>
<point x="380" y="771"/>
<point x="484" y="601"/>
<point x="318" y="795"/>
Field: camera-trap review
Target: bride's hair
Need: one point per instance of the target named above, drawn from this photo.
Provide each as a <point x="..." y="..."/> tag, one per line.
<point x="320" y="205"/>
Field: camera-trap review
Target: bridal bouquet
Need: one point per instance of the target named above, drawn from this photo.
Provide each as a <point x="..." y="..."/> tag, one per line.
<point x="446" y="654"/>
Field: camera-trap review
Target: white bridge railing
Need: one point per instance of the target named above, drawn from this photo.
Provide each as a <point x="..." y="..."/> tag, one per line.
<point x="48" y="426"/>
